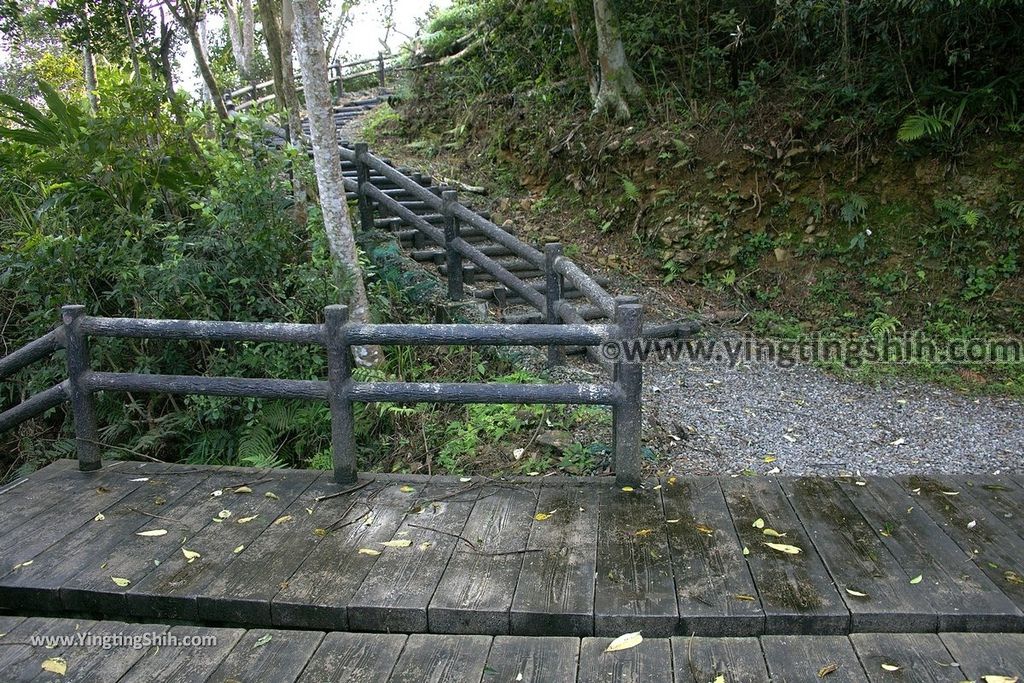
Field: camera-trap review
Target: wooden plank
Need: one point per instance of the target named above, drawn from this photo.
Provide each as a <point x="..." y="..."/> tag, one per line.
<point x="635" y="589"/>
<point x="714" y="588"/>
<point x="919" y="656"/>
<point x="42" y="490"/>
<point x="475" y="592"/>
<point x="174" y="661"/>
<point x="648" y="662"/>
<point x="1002" y="495"/>
<point x="961" y="594"/>
<point x="242" y="594"/>
<point x="702" y="660"/>
<point x="796" y="591"/>
<point x="318" y="592"/>
<point x="874" y="586"/>
<point x="170" y="591"/>
<point x="532" y="659"/>
<point x="268" y="655"/>
<point x="92" y="661"/>
<point x="20" y="658"/>
<point x="555" y="592"/>
<point x="77" y="508"/>
<point x="987" y="654"/>
<point x="396" y="591"/>
<point x="980" y="533"/>
<point x="430" y="658"/>
<point x="9" y="623"/>
<point x="354" y="658"/>
<point x="794" y="659"/>
<point x="91" y="589"/>
<point x="37" y="585"/>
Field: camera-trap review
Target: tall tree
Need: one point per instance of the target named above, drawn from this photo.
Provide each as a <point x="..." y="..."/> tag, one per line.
<point x="239" y="18"/>
<point x="271" y="23"/>
<point x="189" y="14"/>
<point x="617" y="85"/>
<point x="334" y="207"/>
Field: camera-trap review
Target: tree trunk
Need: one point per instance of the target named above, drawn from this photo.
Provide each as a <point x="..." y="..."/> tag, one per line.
<point x="294" y="109"/>
<point x="187" y="15"/>
<point x="272" y="34"/>
<point x="248" y="37"/>
<point x="313" y="61"/>
<point x="235" y="38"/>
<point x="89" y="71"/>
<point x="617" y="82"/>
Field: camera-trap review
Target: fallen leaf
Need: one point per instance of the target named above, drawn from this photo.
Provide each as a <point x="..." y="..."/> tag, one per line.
<point x="23" y="564"/>
<point x="541" y="516"/>
<point x="627" y="489"/>
<point x="720" y="678"/>
<point x="517" y="453"/>
<point x="770" y="458"/>
<point x="772" y="532"/>
<point x="425" y="545"/>
<point x="827" y="669"/>
<point x="263" y="640"/>
<point x="672" y="521"/>
<point x="758" y="523"/>
<point x="465" y="479"/>
<point x="224" y="514"/>
<point x="238" y="549"/>
<point x="320" y="531"/>
<point x="397" y="543"/>
<point x="890" y="667"/>
<point x="243" y="489"/>
<point x="152" y="532"/>
<point x="704" y="529"/>
<point x="140" y="479"/>
<point x="856" y="594"/>
<point x="271" y="495"/>
<point x="368" y="551"/>
<point x="744" y="596"/>
<point x="951" y="493"/>
<point x="282" y="520"/>
<point x="246" y="520"/>
<point x="642" y="532"/>
<point x="916" y="579"/>
<point x="625" y="642"/>
<point x="190" y="555"/>
<point x="990" y="678"/>
<point x="671" y="480"/>
<point x="1013" y="577"/>
<point x="99" y="518"/>
<point x="406" y="489"/>
<point x="119" y="581"/>
<point x="55" y="665"/>
<point x="746" y="550"/>
<point x="971" y="524"/>
<point x="217" y="493"/>
<point x="898" y="442"/>
<point x="783" y="548"/>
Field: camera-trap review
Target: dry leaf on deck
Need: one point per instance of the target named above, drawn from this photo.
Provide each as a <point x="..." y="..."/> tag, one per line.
<point x="624" y="642"/>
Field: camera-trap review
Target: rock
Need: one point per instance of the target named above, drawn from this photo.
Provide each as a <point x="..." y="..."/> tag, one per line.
<point x="727" y="316"/>
<point x="559" y="440"/>
<point x="781" y="255"/>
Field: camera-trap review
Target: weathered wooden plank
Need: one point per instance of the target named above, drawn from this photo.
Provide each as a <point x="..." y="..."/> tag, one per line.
<point x="635" y="589"/>
<point x="77" y="508"/>
<point x="110" y="650"/>
<point x="21" y="658"/>
<point x="9" y="623"/>
<point x="91" y="589"/>
<point x="703" y="660"/>
<point x="961" y="594"/>
<point x="648" y="662"/>
<point x="430" y="658"/>
<point x="714" y="588"/>
<point x="919" y="656"/>
<point x="268" y="655"/>
<point x="555" y="592"/>
<point x="37" y="585"/>
<point x="794" y="659"/>
<point x="987" y="654"/>
<point x="174" y="661"/>
<point x="319" y="590"/>
<point x="243" y="594"/>
<point x="532" y="659"/>
<point x="1002" y="495"/>
<point x="171" y="589"/>
<point x="796" y="591"/>
<point x="980" y="533"/>
<point x="475" y="592"/>
<point x="354" y="658"/>
<point x="397" y="589"/>
<point x="874" y="586"/>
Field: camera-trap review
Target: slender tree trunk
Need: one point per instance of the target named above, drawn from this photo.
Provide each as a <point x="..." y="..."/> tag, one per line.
<point x="294" y="109"/>
<point x="187" y="15"/>
<point x="582" y="51"/>
<point x="272" y="34"/>
<point x="248" y="37"/>
<point x="89" y="71"/>
<point x="617" y="82"/>
<point x="235" y="38"/>
<point x="313" y="62"/>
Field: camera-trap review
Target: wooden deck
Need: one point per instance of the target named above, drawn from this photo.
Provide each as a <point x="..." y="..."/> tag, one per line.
<point x="572" y="558"/>
<point x="283" y="656"/>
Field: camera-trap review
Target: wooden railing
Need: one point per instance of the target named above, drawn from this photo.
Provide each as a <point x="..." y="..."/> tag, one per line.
<point x="337" y="73"/>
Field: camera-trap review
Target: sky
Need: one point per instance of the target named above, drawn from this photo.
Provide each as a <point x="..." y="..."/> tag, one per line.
<point x="361" y="40"/>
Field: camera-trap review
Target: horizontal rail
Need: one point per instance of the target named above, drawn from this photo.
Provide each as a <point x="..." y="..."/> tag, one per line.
<point x="479" y="335"/>
<point x="586" y="284"/>
<point x="35" y="405"/>
<point x="402" y="180"/>
<point x="405" y="213"/>
<point x="201" y="330"/>
<point x="521" y="249"/>
<point x="402" y="392"/>
<point x="183" y="385"/>
<point x="31" y="352"/>
<point x="531" y="295"/>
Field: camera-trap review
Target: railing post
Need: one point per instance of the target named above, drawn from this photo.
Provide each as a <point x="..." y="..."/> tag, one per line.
<point x="363" y="177"/>
<point x="552" y="295"/>
<point x="339" y="382"/>
<point x="627" y="413"/>
<point x="456" y="289"/>
<point x="380" y="69"/>
<point x="83" y="409"/>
